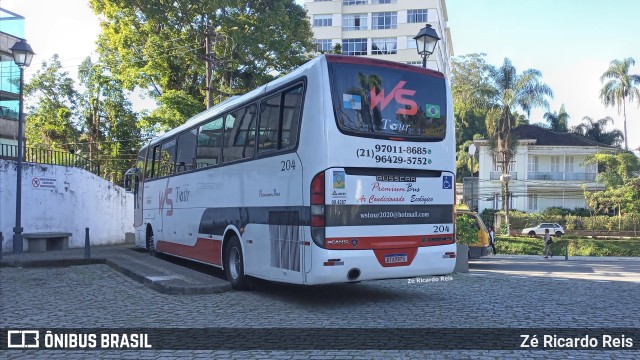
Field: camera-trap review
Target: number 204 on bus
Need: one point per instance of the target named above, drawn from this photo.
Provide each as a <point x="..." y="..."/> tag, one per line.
<point x="341" y="171"/>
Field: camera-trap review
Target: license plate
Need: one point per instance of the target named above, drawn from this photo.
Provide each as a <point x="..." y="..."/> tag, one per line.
<point x="395" y="258"/>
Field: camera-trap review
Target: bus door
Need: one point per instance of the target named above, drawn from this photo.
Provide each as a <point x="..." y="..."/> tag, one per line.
<point x="132" y="185"/>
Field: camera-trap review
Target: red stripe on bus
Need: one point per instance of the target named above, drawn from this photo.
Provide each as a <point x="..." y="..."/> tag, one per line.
<point x="386" y="242"/>
<point x="205" y="250"/>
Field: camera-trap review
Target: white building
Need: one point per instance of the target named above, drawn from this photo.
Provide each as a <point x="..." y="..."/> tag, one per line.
<point x="548" y="170"/>
<point x="381" y="29"/>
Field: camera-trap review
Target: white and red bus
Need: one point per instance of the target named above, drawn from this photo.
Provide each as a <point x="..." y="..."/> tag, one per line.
<point x="342" y="170"/>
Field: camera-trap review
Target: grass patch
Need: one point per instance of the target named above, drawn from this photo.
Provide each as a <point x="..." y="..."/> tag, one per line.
<point x="577" y="247"/>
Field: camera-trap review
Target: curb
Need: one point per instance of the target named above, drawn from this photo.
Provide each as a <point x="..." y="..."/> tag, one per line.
<point x="175" y="286"/>
<point x="50" y="263"/>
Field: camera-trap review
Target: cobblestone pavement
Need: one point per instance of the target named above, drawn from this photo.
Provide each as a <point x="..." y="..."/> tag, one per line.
<point x="97" y="296"/>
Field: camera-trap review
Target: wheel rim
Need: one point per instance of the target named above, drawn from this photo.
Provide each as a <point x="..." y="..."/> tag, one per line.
<point x="234" y="263"/>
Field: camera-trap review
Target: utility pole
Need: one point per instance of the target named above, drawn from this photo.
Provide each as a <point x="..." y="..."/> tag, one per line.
<point x="209" y="65"/>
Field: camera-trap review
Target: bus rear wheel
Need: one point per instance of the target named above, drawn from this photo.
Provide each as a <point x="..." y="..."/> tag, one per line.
<point x="234" y="265"/>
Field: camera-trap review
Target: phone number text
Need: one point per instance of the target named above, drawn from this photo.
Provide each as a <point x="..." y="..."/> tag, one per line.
<point x="393" y="149"/>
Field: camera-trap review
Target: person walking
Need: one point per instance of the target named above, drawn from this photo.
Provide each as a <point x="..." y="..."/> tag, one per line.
<point x="547" y="244"/>
<point x="492" y="239"/>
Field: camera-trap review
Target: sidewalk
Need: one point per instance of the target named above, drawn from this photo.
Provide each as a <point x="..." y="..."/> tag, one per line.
<point x="560" y="257"/>
<point x="162" y="276"/>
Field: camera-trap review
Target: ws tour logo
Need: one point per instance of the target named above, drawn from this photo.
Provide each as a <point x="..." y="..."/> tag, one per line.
<point x="397" y="93"/>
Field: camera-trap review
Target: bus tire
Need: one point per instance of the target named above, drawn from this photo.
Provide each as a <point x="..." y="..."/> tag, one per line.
<point x="149" y="242"/>
<point x="234" y="265"/>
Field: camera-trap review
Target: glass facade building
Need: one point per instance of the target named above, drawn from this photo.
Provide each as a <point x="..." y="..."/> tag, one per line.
<point x="11" y="30"/>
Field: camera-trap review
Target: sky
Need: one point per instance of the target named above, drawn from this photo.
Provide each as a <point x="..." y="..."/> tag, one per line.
<point x="571" y="42"/>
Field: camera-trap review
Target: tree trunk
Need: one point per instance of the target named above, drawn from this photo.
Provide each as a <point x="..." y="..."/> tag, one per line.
<point x="505" y="206"/>
<point x="624" y="112"/>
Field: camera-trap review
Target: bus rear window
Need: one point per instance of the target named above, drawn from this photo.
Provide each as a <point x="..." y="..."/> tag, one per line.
<point x="386" y="102"/>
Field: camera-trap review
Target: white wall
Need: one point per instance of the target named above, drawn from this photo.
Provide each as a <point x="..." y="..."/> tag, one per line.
<point x="64" y="199"/>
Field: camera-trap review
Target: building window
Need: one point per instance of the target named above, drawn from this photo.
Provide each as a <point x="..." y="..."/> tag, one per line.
<point x="354" y="22"/>
<point x="533" y="201"/>
<point x="555" y="163"/>
<point x="532" y="166"/>
<point x="376" y="2"/>
<point x="322" y="20"/>
<point x="416" y="63"/>
<point x="497" y="163"/>
<point x="354" y="46"/>
<point x="321" y="0"/>
<point x="417" y="16"/>
<point x="384" y="20"/>
<point x="354" y="2"/>
<point x="568" y="164"/>
<point x="381" y="46"/>
<point x="323" y="45"/>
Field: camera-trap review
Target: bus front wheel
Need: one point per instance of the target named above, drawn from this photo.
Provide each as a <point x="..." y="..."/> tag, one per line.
<point x="234" y="265"/>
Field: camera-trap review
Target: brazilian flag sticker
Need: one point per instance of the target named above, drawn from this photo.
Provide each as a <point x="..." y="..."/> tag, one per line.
<point x="433" y="111"/>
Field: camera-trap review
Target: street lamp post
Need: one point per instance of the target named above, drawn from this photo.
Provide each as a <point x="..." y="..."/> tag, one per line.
<point x="426" y="41"/>
<point x="472" y="153"/>
<point x="22" y="55"/>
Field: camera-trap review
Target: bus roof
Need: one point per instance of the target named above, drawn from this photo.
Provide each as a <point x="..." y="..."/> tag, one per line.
<point x="234" y="101"/>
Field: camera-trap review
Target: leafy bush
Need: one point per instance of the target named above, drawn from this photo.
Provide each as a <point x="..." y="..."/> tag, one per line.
<point x="554" y="211"/>
<point x="466" y="230"/>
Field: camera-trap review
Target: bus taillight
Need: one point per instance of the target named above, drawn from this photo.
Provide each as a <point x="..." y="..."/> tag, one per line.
<point x="317" y="209"/>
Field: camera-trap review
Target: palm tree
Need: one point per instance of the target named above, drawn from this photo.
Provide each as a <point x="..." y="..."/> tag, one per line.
<point x="595" y="130"/>
<point x="620" y="87"/>
<point x="558" y="121"/>
<point x="512" y="91"/>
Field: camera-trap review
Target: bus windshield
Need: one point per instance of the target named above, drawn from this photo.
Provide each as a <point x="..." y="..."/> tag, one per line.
<point x="383" y="102"/>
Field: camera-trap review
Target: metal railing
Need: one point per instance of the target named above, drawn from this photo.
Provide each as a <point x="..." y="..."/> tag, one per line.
<point x="50" y="157"/>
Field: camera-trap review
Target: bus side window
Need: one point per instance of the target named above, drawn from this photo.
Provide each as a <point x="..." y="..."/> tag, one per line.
<point x="209" y="143"/>
<point x="186" y="151"/>
<point x="167" y="157"/>
<point x="291" y="117"/>
<point x="240" y="126"/>
<point x="155" y="169"/>
<point x="269" y="124"/>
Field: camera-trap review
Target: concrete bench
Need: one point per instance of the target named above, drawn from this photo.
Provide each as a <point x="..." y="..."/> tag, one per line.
<point x="45" y="241"/>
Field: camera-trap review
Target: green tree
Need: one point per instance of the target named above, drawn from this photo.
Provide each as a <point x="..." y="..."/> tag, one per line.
<point x="595" y="130"/>
<point x="558" y="121"/>
<point x="51" y="117"/>
<point x="471" y="96"/>
<point x="111" y="132"/>
<point x="620" y="87"/>
<point x="160" y="46"/>
<point x="615" y="170"/>
<point x="512" y="91"/>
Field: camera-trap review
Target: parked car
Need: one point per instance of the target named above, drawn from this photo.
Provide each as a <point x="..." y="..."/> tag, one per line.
<point x="554" y="229"/>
